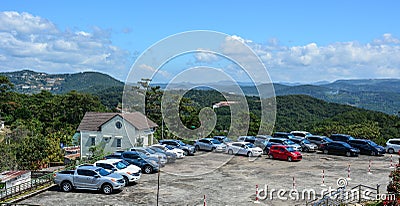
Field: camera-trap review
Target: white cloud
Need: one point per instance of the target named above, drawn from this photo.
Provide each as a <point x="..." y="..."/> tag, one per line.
<point x="32" y="42"/>
<point x="311" y="62"/>
<point x="152" y="70"/>
<point x="203" y="55"/>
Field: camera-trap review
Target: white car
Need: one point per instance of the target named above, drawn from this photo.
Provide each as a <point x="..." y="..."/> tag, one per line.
<point x="392" y="146"/>
<point x="179" y="153"/>
<point x="244" y="148"/>
<point x="131" y="173"/>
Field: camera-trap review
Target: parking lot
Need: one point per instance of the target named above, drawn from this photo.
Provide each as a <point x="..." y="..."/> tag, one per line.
<point x="231" y="180"/>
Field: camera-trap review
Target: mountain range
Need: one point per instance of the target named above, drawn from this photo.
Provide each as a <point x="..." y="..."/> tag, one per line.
<point x="373" y="94"/>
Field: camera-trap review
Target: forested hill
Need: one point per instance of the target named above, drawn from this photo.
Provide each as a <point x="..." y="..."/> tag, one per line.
<point x="30" y="82"/>
<point x="373" y="94"/>
<point x="302" y="112"/>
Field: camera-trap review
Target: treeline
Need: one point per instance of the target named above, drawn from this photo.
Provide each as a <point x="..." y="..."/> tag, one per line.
<point x="38" y="124"/>
<point x="302" y="112"/>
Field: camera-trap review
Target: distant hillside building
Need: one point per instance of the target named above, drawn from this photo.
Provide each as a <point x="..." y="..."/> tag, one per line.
<point x="114" y="131"/>
<point x="223" y="104"/>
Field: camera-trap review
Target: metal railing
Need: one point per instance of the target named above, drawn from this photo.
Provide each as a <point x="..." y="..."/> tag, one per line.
<point x="16" y="190"/>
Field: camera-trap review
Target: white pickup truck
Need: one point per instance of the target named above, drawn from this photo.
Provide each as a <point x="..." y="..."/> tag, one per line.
<point x="89" y="178"/>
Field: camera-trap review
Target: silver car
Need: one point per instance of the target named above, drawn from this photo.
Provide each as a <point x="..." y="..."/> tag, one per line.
<point x="209" y="144"/>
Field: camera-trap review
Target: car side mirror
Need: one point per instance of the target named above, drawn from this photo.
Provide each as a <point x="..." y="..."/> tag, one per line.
<point x="96" y="176"/>
<point x="113" y="170"/>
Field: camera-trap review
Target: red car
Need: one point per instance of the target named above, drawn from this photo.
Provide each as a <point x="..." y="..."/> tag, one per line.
<point x="284" y="152"/>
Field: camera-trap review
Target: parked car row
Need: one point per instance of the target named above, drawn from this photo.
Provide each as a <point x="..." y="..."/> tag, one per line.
<point x="117" y="170"/>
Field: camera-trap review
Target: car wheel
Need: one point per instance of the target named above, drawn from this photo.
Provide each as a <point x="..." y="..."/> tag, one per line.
<point x="230" y="152"/>
<point x="289" y="159"/>
<point x="373" y="153"/>
<point x="126" y="181"/>
<point x="271" y="156"/>
<point x="306" y="149"/>
<point x="348" y="154"/>
<point x="391" y="151"/>
<point x="66" y="186"/>
<point x="107" y="189"/>
<point x="326" y="151"/>
<point x="212" y="149"/>
<point x="185" y="152"/>
<point x="249" y="154"/>
<point x="197" y="148"/>
<point x="148" y="169"/>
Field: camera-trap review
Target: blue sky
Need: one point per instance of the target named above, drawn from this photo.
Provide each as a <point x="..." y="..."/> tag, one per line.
<point x="298" y="41"/>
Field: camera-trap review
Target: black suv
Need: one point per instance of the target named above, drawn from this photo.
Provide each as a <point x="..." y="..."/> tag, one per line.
<point x="341" y="148"/>
<point x="341" y="137"/>
<point x="367" y="147"/>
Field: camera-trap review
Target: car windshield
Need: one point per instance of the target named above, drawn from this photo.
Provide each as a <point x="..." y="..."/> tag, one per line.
<point x="169" y="147"/>
<point x="290" y="149"/>
<point x="346" y="145"/>
<point x="289" y="142"/>
<point x="291" y="135"/>
<point x="227" y="140"/>
<point x="214" y="141"/>
<point x="305" y="141"/>
<point x="102" y="172"/>
<point x="157" y="149"/>
<point x="181" y="143"/>
<point x="149" y="150"/>
<point x="372" y="143"/>
<point x="327" y="139"/>
<point x="250" y="145"/>
<point x="143" y="156"/>
<point x="119" y="165"/>
<point x="125" y="162"/>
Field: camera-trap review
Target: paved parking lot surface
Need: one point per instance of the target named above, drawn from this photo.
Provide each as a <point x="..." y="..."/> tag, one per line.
<point x="232" y="180"/>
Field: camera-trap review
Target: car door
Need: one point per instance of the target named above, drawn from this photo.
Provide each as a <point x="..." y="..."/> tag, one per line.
<point x="80" y="178"/>
<point x="236" y="147"/>
<point x="243" y="149"/>
<point x="333" y="148"/>
<point x="86" y="179"/>
<point x="92" y="181"/>
<point x="280" y="153"/>
<point x="204" y="144"/>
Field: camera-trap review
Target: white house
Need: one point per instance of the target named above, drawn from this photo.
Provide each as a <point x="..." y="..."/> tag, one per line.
<point x="114" y="131"/>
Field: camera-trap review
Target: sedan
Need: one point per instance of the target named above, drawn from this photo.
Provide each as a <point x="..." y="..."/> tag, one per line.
<point x="244" y="148"/>
<point x="340" y="148"/>
<point x="209" y="144"/>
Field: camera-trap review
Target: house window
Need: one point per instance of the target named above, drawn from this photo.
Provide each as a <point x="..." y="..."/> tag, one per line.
<point x="118" y="124"/>
<point x="93" y="141"/>
<point x="119" y="142"/>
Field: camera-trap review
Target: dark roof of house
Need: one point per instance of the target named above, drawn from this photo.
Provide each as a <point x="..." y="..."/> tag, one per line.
<point x="92" y="121"/>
